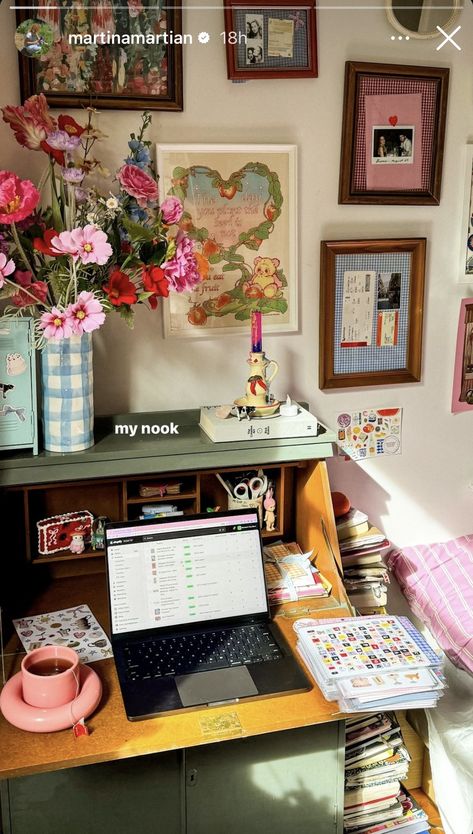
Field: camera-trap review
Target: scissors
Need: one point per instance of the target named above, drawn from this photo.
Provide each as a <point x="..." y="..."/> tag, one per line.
<point x="251" y="488"/>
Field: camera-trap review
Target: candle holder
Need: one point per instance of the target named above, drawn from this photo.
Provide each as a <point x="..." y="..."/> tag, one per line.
<point x="257" y="397"/>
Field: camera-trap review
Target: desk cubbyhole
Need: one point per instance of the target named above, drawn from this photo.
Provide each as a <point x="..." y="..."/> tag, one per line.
<point x="101" y="498"/>
<point x="164" y="487"/>
<point x="188" y="506"/>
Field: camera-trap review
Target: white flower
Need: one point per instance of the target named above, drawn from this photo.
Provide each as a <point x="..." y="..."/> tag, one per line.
<point x="90" y="217"/>
<point x="112" y="203"/>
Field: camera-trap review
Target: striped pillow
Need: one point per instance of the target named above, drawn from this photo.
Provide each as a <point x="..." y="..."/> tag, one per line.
<point x="437" y="581"/>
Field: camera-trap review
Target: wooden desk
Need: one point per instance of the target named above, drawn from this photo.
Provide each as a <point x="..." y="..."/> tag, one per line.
<point x="281" y="755"/>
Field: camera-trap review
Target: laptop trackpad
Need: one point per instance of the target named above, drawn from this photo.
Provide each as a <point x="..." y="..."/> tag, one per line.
<point x="219" y="685"/>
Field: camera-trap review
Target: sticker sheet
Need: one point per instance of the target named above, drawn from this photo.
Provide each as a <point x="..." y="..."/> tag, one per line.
<point x="381" y="644"/>
<point x="369" y="433"/>
<point x="73" y="627"/>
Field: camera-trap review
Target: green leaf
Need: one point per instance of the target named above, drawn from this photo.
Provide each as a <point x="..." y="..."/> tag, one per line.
<point x="252" y="244"/>
<point x="243" y="315"/>
<point x="179" y="173"/>
<point x="215" y="259"/>
<point x="144" y="295"/>
<point x="178" y="191"/>
<point x="230" y="267"/>
<point x="137" y="232"/>
<point x="126" y="313"/>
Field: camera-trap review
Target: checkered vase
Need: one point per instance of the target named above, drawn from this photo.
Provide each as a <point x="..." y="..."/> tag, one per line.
<point x="68" y="394"/>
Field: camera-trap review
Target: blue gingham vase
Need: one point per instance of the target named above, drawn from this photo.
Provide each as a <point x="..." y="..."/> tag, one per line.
<point x="68" y="394"/>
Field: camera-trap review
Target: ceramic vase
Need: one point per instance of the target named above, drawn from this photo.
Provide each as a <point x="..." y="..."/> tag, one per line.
<point x="68" y="398"/>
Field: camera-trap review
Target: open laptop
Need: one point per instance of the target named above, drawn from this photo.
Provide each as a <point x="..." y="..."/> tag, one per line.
<point x="189" y="614"/>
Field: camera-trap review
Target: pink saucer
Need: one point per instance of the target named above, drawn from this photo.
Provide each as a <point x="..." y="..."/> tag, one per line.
<point x="37" y="720"/>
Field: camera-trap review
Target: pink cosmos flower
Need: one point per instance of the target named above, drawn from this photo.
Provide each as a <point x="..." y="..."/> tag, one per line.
<point x="181" y="271"/>
<point x="30" y="122"/>
<point x="88" y="244"/>
<point x="61" y="140"/>
<point x="172" y="209"/>
<point x="56" y="324"/>
<point x="138" y="184"/>
<point x="6" y="268"/>
<point x="86" y="314"/>
<point x="18" y="198"/>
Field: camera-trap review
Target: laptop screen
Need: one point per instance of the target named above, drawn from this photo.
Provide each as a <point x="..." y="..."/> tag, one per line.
<point x="187" y="570"/>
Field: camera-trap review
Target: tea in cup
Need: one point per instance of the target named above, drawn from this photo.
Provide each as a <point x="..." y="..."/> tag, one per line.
<point x="50" y="676"/>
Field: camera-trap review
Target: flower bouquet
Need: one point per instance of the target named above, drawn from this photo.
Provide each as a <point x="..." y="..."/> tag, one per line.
<point x="70" y="260"/>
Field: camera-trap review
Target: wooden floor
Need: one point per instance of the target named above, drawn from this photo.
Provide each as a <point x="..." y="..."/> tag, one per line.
<point x="430" y="809"/>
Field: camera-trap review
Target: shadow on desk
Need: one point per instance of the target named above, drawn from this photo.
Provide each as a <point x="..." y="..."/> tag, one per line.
<point x="290" y="781"/>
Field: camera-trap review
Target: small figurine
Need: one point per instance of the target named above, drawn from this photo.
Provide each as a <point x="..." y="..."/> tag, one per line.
<point x="97" y="539"/>
<point x="270" y="508"/>
<point x="77" y="545"/>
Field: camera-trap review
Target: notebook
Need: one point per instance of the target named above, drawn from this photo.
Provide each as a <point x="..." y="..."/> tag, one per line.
<point x="189" y="613"/>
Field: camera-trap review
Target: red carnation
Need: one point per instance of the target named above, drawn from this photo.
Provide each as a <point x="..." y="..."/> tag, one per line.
<point x="120" y="289"/>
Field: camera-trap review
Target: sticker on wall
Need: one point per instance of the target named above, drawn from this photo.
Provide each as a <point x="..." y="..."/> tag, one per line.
<point x="5" y="387"/>
<point x="12" y="409"/>
<point x="16" y="364"/>
<point x="369" y="433"/>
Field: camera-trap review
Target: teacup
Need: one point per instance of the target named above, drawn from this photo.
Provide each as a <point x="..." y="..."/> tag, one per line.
<point x="50" y="676"/>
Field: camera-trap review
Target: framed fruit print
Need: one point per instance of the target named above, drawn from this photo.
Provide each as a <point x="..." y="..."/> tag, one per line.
<point x="240" y="209"/>
<point x="393" y="134"/>
<point x="371" y="312"/>
<point x="124" y="56"/>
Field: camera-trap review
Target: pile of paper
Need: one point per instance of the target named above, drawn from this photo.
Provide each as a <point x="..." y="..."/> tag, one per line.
<point x="369" y="664"/>
<point x="365" y="575"/>
<point x="376" y="761"/>
<point x="290" y="574"/>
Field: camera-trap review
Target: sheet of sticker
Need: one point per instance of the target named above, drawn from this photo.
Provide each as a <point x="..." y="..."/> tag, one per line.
<point x="74" y="627"/>
<point x="343" y="648"/>
<point x="369" y="433"/>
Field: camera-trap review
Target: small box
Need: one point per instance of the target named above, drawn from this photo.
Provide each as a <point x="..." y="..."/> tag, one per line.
<point x="55" y="533"/>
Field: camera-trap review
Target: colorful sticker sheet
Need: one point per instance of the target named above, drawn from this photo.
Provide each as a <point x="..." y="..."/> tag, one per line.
<point x="369" y="433"/>
<point x="366" y="646"/>
<point x="73" y="627"/>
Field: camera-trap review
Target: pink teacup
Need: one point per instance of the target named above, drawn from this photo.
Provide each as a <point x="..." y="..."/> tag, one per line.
<point x="50" y="676"/>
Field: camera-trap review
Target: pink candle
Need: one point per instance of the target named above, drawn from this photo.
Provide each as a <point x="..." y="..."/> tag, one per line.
<point x="256" y="332"/>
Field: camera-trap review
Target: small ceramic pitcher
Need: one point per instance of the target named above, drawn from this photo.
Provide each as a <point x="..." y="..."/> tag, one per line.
<point x="257" y="386"/>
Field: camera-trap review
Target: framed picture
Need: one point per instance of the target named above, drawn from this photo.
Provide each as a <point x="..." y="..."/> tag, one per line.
<point x="462" y="394"/>
<point x="240" y="208"/>
<point x="466" y="263"/>
<point x="393" y="134"/>
<point x="109" y="55"/>
<point x="271" y="39"/>
<point x="371" y="311"/>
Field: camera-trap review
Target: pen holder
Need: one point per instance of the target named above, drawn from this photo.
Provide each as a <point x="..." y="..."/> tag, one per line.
<point x="247" y="504"/>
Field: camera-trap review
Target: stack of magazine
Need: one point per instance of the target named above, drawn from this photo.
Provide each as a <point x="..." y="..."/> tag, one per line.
<point x="371" y="663"/>
<point x="365" y="574"/>
<point x="376" y="762"/>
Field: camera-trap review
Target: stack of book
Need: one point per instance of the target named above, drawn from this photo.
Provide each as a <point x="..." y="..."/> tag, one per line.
<point x="290" y="574"/>
<point x="365" y="575"/>
<point x="376" y="761"/>
<point x="369" y="664"/>
<point x="159" y="511"/>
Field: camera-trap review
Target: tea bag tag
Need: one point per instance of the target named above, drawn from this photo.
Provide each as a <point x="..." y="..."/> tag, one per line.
<point x="80" y="728"/>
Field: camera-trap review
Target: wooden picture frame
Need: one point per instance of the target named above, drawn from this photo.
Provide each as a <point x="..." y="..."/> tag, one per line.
<point x="377" y="165"/>
<point x="462" y="391"/>
<point x="371" y="312"/>
<point x="466" y="257"/>
<point x="252" y="26"/>
<point x="72" y="76"/>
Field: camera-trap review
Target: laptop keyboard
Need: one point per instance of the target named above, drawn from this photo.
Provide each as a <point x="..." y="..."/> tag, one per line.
<point x="200" y="652"/>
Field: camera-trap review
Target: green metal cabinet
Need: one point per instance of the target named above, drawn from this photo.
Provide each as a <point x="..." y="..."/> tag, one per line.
<point x="275" y="783"/>
<point x="18" y="418"/>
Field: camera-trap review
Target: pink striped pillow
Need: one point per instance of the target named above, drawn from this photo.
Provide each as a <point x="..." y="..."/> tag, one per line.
<point x="437" y="581"/>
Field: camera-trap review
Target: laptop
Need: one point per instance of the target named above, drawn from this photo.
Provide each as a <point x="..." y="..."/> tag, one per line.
<point x="189" y="613"/>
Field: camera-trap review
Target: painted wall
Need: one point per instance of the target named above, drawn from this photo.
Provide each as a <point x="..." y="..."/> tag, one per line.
<point x="422" y="494"/>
